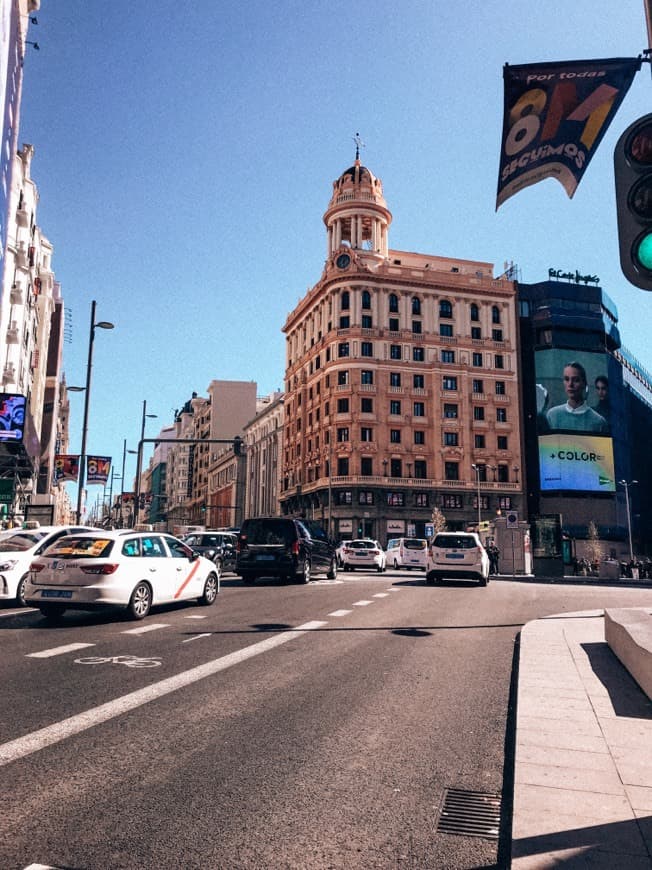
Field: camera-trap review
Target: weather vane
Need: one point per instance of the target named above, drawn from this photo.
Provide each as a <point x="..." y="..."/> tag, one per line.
<point x="358" y="145"/>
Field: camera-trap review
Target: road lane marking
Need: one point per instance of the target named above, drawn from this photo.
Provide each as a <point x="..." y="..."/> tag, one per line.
<point x="205" y="634"/>
<point x="51" y="734"/>
<point x="340" y="613"/>
<point x="18" y="612"/>
<point x="361" y="603"/>
<point x="380" y="595"/>
<point x="58" y="650"/>
<point x="144" y="628"/>
<point x="194" y="616"/>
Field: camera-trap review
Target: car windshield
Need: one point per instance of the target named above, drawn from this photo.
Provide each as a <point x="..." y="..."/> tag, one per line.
<point x="202" y="541"/>
<point x="72" y="547"/>
<point x="270" y="531"/>
<point x="414" y="544"/>
<point x="20" y="542"/>
<point x="458" y="542"/>
<point x="362" y="545"/>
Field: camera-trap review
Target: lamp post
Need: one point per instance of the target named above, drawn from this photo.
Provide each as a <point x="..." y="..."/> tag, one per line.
<point x="102" y="324"/>
<point x="627" y="484"/>
<point x="476" y="467"/>
<point x="139" y="460"/>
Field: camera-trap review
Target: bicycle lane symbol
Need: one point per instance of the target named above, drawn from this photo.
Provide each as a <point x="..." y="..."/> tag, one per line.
<point x="127" y="660"/>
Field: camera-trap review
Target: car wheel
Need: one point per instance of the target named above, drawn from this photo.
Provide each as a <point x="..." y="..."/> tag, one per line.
<point x="379" y="569"/>
<point x="431" y="579"/>
<point x="210" y="590"/>
<point x="247" y="579"/>
<point x="52" y="612"/>
<point x="304" y="575"/>
<point x="20" y="592"/>
<point x="395" y="564"/>
<point x="140" y="602"/>
<point x="483" y="581"/>
<point x="332" y="571"/>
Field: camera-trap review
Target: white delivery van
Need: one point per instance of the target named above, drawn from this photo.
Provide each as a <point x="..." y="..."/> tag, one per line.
<point x="407" y="553"/>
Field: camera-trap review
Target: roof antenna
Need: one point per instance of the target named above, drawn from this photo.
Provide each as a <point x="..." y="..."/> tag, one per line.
<point x="358" y="144"/>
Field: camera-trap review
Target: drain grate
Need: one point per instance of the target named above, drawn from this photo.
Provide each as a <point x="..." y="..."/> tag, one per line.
<point x="470" y="814"/>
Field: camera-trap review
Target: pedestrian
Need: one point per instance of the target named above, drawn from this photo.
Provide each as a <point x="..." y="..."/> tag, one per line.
<point x="493" y="552"/>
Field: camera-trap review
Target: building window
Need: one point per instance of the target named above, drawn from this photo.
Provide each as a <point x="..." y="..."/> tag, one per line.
<point x="366" y="466"/>
<point x="366" y="377"/>
<point x="345" y="301"/>
<point x="343" y="349"/>
<point x="366" y="300"/>
<point x="479" y="442"/>
<point x="395" y="351"/>
<point x="484" y="502"/>
<point x="499" y="361"/>
<point x="478" y="412"/>
<point x="497" y="334"/>
<point x="451" y="439"/>
<point x="416" y="305"/>
<point x="448" y="356"/>
<point x="396" y="468"/>
<point x="366" y="433"/>
<point x="446" y="330"/>
<point x="478" y="385"/>
<point x="343" y="433"/>
<point x="419" y="437"/>
<point x="419" y="409"/>
<point x="367" y="406"/>
<point x="452" y="470"/>
<point x="501" y="415"/>
<point x="477" y="360"/>
<point x="495" y="314"/>
<point x="501" y="442"/>
<point x="505" y="502"/>
<point x="476" y="333"/>
<point x="395" y="436"/>
<point x="416" y="327"/>
<point x="418" y="354"/>
<point x="344" y="497"/>
<point x="395" y="379"/>
<point x="421" y="499"/>
<point x="418" y="382"/>
<point x="500" y="388"/>
<point x="396" y="499"/>
<point x="393" y="324"/>
<point x="366" y="348"/>
<point x="503" y="474"/>
<point x="449" y="383"/>
<point x="393" y="302"/>
<point x="343" y="466"/>
<point x="475" y="312"/>
<point x="445" y="308"/>
<point x="450" y="411"/>
<point x="420" y="469"/>
<point x="343" y="377"/>
<point x="342" y="406"/>
<point x="367" y="321"/>
<point x="365" y="497"/>
<point x="451" y="500"/>
<point x="395" y="406"/>
<point x="345" y="321"/>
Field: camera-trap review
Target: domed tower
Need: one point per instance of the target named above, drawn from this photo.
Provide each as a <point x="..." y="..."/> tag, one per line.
<point x="357" y="216"/>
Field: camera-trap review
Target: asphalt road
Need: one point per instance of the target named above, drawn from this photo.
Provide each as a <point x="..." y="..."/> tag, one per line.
<point x="284" y="727"/>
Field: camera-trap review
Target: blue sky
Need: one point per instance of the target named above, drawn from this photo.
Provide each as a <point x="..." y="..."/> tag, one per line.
<point x="185" y="152"/>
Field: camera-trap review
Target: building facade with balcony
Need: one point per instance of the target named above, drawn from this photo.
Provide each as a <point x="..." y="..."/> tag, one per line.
<point x="401" y="382"/>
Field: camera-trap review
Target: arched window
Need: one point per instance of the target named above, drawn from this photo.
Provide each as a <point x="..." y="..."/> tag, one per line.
<point x="393" y="302"/>
<point x="475" y="312"/>
<point x="345" y="300"/>
<point x="416" y="305"/>
<point x="445" y="308"/>
<point x="366" y="299"/>
<point x="495" y="314"/>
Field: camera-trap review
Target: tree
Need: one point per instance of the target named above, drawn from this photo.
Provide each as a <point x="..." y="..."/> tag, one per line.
<point x="438" y="521"/>
<point x="594" y="551"/>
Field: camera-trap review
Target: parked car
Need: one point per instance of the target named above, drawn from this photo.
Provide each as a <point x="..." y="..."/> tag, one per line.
<point x="219" y="547"/>
<point x="17" y="551"/>
<point x="407" y="553"/>
<point x="457" y="555"/>
<point x="363" y="553"/>
<point x="291" y="549"/>
<point x="125" y="568"/>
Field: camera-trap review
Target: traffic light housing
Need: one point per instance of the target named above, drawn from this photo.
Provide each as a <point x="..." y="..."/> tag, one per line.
<point x="633" y="175"/>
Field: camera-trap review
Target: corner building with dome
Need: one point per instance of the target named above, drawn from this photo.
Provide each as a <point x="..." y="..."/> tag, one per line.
<point x="401" y="383"/>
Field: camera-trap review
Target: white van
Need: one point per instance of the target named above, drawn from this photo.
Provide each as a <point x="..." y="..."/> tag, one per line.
<point x="407" y="553"/>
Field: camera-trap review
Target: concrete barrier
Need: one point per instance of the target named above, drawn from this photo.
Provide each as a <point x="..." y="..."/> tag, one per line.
<point x="628" y="632"/>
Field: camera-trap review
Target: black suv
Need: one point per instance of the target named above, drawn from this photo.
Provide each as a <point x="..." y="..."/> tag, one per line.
<point x="219" y="547"/>
<point x="290" y="549"/>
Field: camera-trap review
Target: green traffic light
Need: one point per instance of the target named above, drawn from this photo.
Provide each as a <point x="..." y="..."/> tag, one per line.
<point x="643" y="251"/>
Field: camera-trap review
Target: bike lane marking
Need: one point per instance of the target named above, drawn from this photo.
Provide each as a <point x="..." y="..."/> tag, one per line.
<point x="58" y="650"/>
<point x="55" y="733"/>
<point x="361" y="603"/>
<point x="145" y="628"/>
<point x="197" y="636"/>
<point x="340" y="613"/>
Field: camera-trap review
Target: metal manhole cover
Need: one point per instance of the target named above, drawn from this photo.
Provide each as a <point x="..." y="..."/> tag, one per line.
<point x="470" y="814"/>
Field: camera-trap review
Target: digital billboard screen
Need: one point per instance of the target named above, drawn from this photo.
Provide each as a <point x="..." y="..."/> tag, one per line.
<point x="12" y="417"/>
<point x="574" y="419"/>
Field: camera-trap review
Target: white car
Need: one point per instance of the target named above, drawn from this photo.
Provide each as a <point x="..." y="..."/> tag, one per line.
<point x="363" y="553"/>
<point x="339" y="550"/>
<point x="17" y="550"/>
<point x="124" y="568"/>
<point x="457" y="555"/>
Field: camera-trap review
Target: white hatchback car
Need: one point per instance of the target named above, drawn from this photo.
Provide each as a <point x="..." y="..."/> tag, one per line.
<point x="18" y="548"/>
<point x="124" y="568"/>
<point x="457" y="555"/>
<point x="363" y="553"/>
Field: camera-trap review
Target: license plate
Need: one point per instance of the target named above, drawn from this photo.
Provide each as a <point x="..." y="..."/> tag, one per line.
<point x="56" y="593"/>
<point x="263" y="557"/>
<point x="454" y="555"/>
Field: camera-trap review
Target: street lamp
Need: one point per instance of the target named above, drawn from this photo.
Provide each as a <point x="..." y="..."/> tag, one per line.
<point x="139" y="460"/>
<point x="102" y="324"/>
<point x="476" y="467"/>
<point x="627" y="484"/>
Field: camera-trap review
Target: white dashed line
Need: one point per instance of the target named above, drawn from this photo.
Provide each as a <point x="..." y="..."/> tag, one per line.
<point x="380" y="595"/>
<point x="361" y="603"/>
<point x="196" y="637"/>
<point x="58" y="650"/>
<point x="194" y="617"/>
<point x="144" y="628"/>
<point x="340" y="613"/>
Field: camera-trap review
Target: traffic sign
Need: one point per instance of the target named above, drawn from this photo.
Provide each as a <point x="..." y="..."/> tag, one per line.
<point x="512" y="520"/>
<point x="633" y="176"/>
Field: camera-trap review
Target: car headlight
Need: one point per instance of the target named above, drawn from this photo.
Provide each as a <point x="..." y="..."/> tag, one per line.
<point x="8" y="564"/>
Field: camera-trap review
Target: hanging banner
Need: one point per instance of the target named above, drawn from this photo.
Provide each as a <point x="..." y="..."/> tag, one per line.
<point x="555" y="115"/>
<point x="66" y="467"/>
<point x="98" y="469"/>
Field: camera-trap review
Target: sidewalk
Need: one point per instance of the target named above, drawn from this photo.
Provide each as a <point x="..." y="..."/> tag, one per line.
<point x="583" y="760"/>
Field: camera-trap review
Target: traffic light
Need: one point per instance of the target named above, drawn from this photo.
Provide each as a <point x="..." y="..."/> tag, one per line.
<point x="633" y="173"/>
